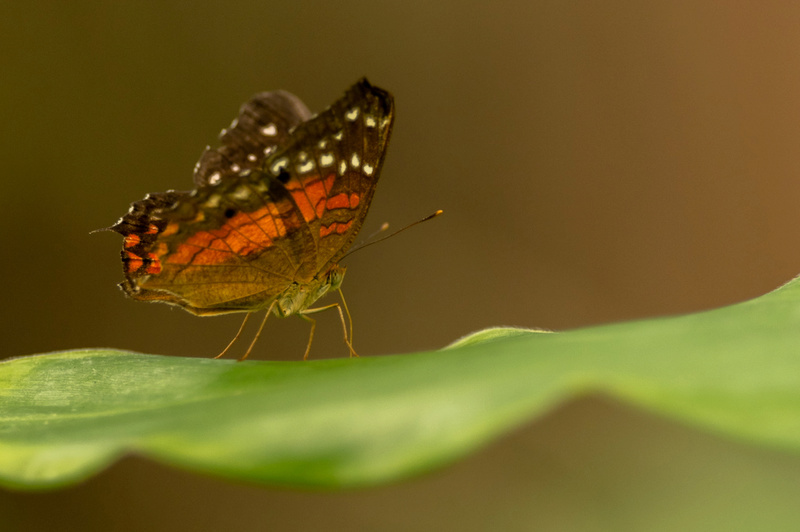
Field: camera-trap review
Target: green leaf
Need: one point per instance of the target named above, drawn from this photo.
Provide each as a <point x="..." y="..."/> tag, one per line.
<point x="363" y="421"/>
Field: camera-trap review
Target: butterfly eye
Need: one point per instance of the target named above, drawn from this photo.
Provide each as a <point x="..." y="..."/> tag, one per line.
<point x="335" y="277"/>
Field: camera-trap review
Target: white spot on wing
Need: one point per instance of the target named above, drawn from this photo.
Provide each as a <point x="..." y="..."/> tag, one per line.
<point x="342" y="167"/>
<point x="338" y="135"/>
<point x="214" y="178"/>
<point x="354" y="161"/>
<point x="326" y="159"/>
<point x="234" y="123"/>
<point x="368" y="169"/>
<point x="280" y="164"/>
<point x="323" y="144"/>
<point x="370" y="121"/>
<point x="235" y="167"/>
<point x="222" y="132"/>
<point x="352" y="114"/>
<point x="269" y="130"/>
<point x="268" y="150"/>
<point x="241" y="192"/>
<point x="252" y="157"/>
<point x="306" y="167"/>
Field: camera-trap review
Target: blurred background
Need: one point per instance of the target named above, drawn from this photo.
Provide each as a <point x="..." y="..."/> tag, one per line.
<point x="596" y="162"/>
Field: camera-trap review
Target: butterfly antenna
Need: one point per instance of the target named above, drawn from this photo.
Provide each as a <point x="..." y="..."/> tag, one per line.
<point x="386" y="226"/>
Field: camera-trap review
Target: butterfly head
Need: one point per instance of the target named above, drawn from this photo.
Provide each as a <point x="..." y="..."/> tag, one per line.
<point x="299" y="297"/>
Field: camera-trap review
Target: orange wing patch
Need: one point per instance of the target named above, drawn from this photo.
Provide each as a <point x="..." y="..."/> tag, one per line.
<point x="310" y="196"/>
<point x="337" y="227"/>
<point x="132" y="262"/>
<point x="329" y="183"/>
<point x="155" y="265"/>
<point x="342" y="201"/>
<point x="339" y="201"/>
<point x="187" y="253"/>
<point x="132" y="240"/>
<point x="242" y="235"/>
<point x="313" y="198"/>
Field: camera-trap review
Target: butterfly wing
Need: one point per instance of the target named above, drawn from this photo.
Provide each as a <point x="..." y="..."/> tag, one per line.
<point x="264" y="126"/>
<point x="330" y="167"/>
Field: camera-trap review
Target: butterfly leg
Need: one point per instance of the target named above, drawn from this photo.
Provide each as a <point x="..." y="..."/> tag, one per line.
<point x="260" y="328"/>
<point x="313" y="323"/>
<point x="349" y="319"/>
<point x="238" y="334"/>
<point x="338" y="307"/>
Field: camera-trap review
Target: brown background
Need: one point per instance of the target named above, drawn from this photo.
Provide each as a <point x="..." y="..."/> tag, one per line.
<point x="596" y="161"/>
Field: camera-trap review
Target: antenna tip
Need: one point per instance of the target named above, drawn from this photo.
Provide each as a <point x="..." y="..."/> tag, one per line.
<point x="431" y="216"/>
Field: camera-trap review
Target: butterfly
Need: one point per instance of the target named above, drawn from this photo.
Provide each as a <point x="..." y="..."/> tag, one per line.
<point x="276" y="207"/>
